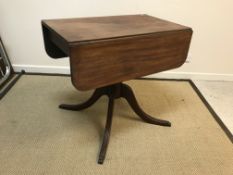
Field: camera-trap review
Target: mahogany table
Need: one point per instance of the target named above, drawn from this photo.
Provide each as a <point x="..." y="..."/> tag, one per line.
<point x="105" y="51"/>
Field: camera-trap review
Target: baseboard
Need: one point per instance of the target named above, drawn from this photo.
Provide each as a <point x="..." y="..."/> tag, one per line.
<point x="193" y="76"/>
<point x="42" y="69"/>
<point x="166" y="74"/>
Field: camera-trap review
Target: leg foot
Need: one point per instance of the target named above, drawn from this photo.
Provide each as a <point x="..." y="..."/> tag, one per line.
<point x="107" y="131"/>
<point x="77" y="107"/>
<point x="127" y="93"/>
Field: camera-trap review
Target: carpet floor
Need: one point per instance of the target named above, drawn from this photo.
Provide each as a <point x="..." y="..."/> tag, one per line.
<point x="36" y="137"/>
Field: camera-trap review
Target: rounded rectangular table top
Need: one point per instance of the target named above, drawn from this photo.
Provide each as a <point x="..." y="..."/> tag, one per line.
<point x="97" y="28"/>
<point x="112" y="49"/>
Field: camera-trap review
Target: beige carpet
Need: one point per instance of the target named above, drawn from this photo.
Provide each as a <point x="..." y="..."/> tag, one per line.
<point x="38" y="138"/>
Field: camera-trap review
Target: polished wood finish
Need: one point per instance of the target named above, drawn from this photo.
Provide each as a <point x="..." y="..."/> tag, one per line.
<point x="108" y="50"/>
<point x="107" y="131"/>
<point x="79" y="30"/>
<point x="105" y="51"/>
<point x="113" y="92"/>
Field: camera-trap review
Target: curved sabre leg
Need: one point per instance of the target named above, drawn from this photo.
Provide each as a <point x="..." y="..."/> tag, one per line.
<point x="107" y="131"/>
<point x="128" y="94"/>
<point x="77" y="107"/>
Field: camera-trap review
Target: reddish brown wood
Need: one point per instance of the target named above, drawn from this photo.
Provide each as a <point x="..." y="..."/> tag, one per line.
<point x="107" y="131"/>
<point x="95" y="96"/>
<point x="102" y="63"/>
<point x="113" y="92"/>
<point x="79" y="30"/>
<point x="108" y="50"/>
<point x="105" y="51"/>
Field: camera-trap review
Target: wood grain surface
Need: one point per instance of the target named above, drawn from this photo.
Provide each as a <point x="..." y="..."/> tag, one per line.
<point x="109" y="50"/>
<point x="78" y="30"/>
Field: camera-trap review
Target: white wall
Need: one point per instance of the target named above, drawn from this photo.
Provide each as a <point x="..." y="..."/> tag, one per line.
<point x="211" y="53"/>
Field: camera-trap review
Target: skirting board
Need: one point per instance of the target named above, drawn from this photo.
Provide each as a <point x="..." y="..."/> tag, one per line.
<point x="166" y="74"/>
